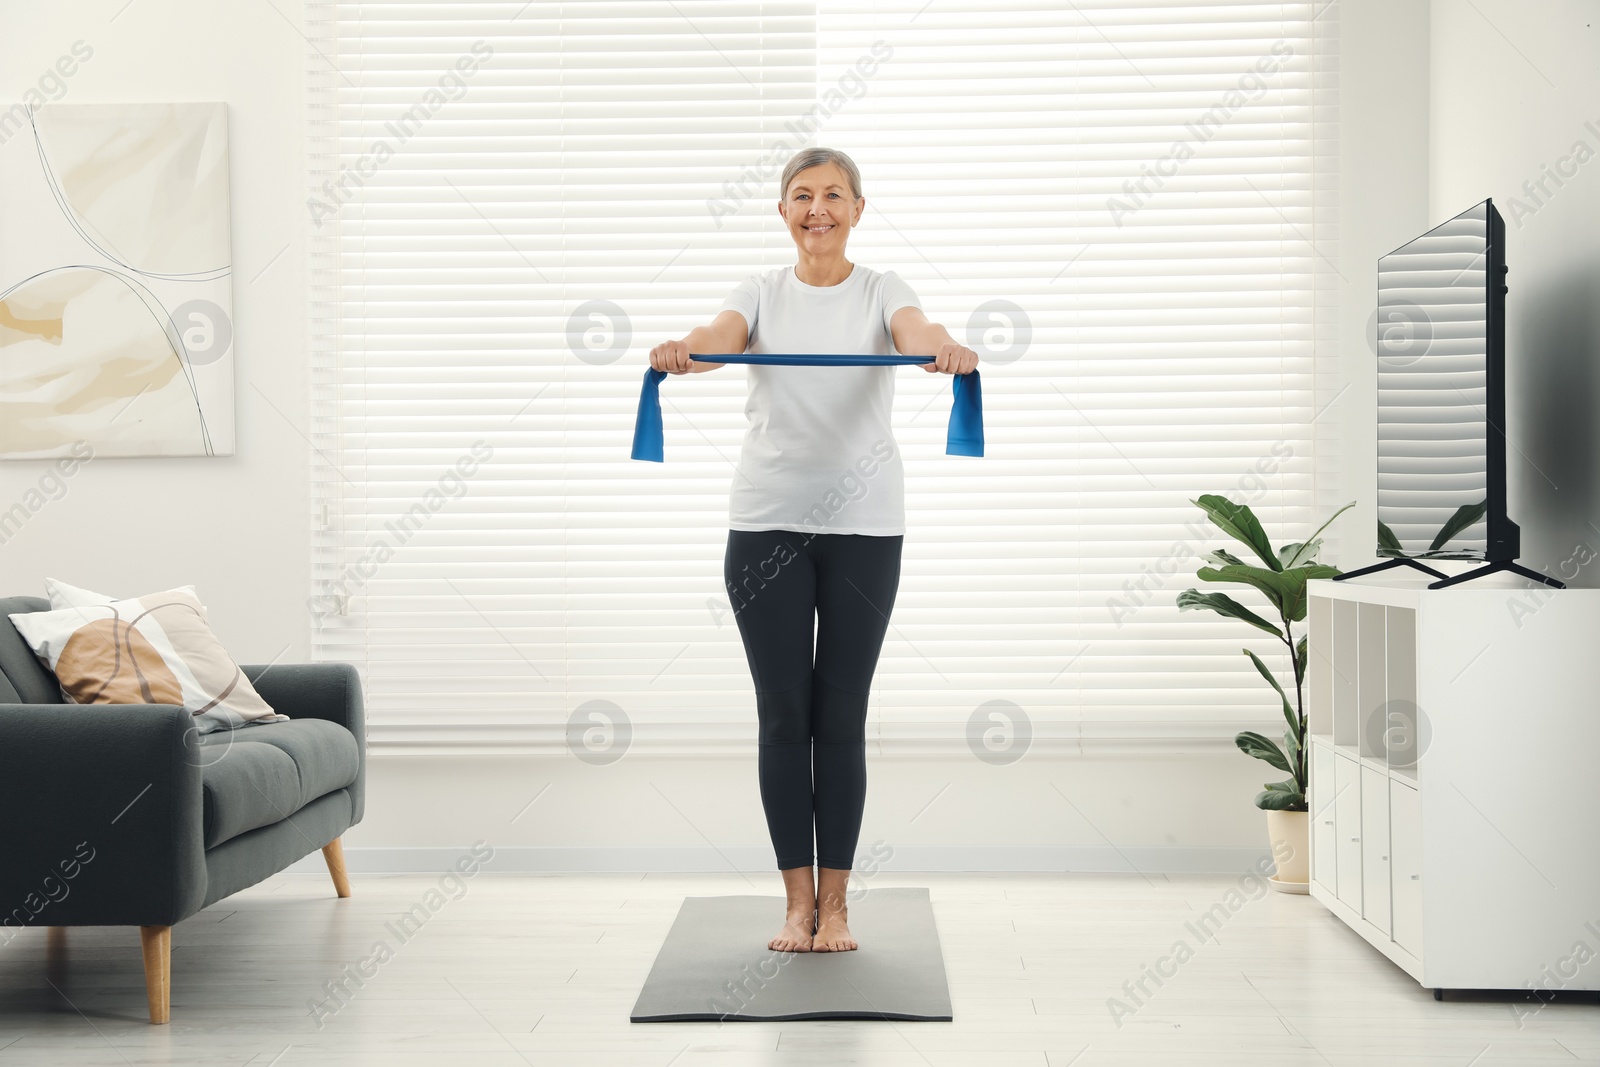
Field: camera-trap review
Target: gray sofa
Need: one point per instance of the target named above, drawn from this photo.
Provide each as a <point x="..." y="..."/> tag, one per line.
<point x="124" y="815"/>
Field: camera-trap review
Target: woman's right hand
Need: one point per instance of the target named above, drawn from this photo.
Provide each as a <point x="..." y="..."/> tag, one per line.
<point x="672" y="357"/>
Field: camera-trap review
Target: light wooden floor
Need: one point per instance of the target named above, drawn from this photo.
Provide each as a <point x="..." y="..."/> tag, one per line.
<point x="527" y="969"/>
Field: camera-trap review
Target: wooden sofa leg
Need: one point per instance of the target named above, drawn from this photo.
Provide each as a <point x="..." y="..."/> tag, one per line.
<point x="55" y="955"/>
<point x="333" y="852"/>
<point x="157" y="943"/>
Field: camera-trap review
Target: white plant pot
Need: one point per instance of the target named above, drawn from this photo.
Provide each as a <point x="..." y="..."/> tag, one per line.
<point x="1291" y="850"/>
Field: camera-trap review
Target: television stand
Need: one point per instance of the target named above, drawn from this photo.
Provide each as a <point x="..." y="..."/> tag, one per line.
<point x="1399" y="561"/>
<point x="1426" y="811"/>
<point x="1498" y="565"/>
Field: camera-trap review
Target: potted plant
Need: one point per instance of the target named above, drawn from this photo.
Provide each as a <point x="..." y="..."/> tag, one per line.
<point x="1281" y="577"/>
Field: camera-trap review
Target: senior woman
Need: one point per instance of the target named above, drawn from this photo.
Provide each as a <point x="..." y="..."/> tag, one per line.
<point x="816" y="522"/>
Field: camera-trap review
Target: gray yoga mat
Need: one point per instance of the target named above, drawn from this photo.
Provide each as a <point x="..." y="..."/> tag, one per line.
<point x="715" y="965"/>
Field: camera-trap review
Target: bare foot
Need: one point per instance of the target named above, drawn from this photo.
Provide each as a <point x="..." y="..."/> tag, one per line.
<point x="833" y="931"/>
<point x="796" y="933"/>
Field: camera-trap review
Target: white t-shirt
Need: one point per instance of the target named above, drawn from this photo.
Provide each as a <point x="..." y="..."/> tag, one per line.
<point x="820" y="456"/>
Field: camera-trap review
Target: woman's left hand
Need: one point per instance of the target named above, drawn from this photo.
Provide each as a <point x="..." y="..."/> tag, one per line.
<point x="952" y="358"/>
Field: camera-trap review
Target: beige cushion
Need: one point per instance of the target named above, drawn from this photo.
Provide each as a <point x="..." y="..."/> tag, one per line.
<point x="155" y="649"/>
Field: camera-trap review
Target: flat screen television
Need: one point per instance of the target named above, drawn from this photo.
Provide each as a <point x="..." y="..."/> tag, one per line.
<point x="1441" y="348"/>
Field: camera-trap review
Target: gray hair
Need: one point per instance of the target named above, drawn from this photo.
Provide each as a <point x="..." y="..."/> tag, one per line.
<point x="814" y="157"/>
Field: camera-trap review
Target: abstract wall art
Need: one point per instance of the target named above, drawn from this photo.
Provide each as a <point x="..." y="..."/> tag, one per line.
<point x="116" y="308"/>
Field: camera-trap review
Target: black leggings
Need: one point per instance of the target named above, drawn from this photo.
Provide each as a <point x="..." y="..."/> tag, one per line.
<point x="812" y="714"/>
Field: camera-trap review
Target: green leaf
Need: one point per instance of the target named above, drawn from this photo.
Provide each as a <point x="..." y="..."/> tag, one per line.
<point x="1223" y="604"/>
<point x="1262" y="748"/>
<point x="1388" y="543"/>
<point x="1285" y="589"/>
<point x="1272" y="800"/>
<point x="1272" y="680"/>
<point x="1300" y="660"/>
<point x="1296" y="760"/>
<point x="1222" y="557"/>
<point x="1465" y="516"/>
<point x="1288" y="709"/>
<point x="1298" y="553"/>
<point x="1297" y="578"/>
<point x="1308" y="548"/>
<point x="1264" y="580"/>
<point x="1239" y="522"/>
<point x="1287" y="786"/>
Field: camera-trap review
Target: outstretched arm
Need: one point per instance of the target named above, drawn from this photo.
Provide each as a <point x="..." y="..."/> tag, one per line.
<point x="727" y="334"/>
<point x="914" y="335"/>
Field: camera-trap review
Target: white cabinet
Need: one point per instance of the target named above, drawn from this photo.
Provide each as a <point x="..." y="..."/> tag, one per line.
<point x="1347" y="829"/>
<point x="1452" y="736"/>
<point x="1375" y="848"/>
<point x="1405" y="853"/>
<point x="1323" y="833"/>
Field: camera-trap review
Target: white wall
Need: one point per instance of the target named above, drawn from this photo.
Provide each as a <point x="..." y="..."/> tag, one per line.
<point x="1094" y="813"/>
<point x="114" y="530"/>
<point x="1383" y="202"/>
<point x="234" y="527"/>
<point x="1516" y="103"/>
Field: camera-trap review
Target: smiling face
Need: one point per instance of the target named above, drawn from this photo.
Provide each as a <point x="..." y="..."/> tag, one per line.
<point x="820" y="211"/>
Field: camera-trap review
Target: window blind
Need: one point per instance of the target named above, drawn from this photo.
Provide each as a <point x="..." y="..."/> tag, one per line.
<point x="1122" y="206"/>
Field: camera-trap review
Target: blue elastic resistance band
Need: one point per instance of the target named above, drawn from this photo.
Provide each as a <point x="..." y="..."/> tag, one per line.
<point x="963" y="438"/>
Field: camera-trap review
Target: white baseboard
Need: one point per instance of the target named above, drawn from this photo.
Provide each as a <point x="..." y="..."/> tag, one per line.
<point x="1146" y="859"/>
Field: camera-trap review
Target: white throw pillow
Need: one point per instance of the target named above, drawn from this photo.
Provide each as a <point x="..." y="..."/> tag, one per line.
<point x="63" y="595"/>
<point x="155" y="649"/>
